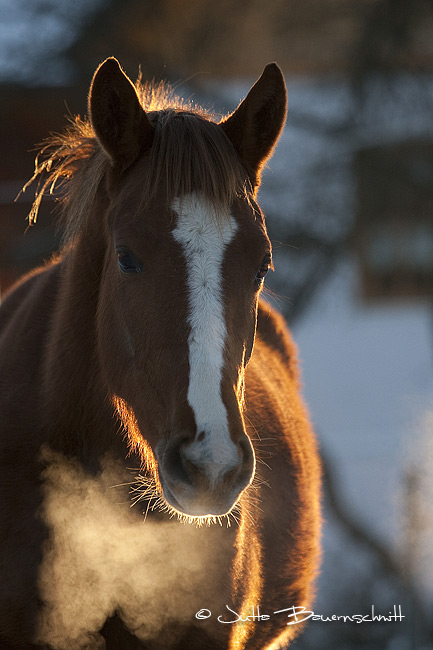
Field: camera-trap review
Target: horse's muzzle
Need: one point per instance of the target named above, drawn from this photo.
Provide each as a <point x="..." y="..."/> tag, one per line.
<point x="200" y="485"/>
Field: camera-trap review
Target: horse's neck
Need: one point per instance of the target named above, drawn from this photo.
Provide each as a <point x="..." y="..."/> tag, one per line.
<point x="78" y="413"/>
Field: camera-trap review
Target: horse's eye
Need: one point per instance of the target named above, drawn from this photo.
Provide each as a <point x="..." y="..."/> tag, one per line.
<point x="264" y="268"/>
<point x="127" y="262"/>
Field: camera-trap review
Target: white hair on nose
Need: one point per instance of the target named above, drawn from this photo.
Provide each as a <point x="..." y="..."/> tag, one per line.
<point x="204" y="237"/>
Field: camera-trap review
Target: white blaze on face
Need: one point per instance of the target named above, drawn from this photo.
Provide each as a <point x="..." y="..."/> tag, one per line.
<point x="204" y="237"/>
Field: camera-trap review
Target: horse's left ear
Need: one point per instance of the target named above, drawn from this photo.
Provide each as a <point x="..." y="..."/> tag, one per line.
<point x="255" y="126"/>
<point x="120" y="123"/>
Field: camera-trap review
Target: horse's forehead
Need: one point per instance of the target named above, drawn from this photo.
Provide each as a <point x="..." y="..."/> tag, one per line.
<point x="240" y="221"/>
<point x="199" y="222"/>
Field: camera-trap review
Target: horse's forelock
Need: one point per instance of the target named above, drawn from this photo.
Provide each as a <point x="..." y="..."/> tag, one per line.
<point x="191" y="154"/>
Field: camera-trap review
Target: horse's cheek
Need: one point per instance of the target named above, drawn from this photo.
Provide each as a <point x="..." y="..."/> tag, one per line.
<point x="116" y="347"/>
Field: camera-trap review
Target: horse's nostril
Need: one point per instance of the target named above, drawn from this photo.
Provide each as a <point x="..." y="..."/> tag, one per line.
<point x="174" y="463"/>
<point x="246" y="450"/>
<point x="190" y="469"/>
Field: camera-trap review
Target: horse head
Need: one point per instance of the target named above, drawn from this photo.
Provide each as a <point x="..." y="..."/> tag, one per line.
<point x="186" y="255"/>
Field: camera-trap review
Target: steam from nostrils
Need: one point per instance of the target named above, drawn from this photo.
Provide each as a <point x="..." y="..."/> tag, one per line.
<point x="102" y="557"/>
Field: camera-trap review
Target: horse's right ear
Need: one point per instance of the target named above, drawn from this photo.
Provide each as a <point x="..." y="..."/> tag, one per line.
<point x="120" y="123"/>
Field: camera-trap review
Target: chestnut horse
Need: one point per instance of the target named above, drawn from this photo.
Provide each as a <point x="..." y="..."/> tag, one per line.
<point x="139" y="367"/>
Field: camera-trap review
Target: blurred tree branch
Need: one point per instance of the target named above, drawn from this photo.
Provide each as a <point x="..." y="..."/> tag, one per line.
<point x="391" y="564"/>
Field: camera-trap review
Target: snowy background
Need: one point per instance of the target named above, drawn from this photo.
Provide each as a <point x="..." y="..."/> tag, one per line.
<point x="367" y="368"/>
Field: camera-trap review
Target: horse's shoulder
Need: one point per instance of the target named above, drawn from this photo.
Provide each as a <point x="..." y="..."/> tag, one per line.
<point x="273" y="333"/>
<point x="25" y="315"/>
<point x="27" y="291"/>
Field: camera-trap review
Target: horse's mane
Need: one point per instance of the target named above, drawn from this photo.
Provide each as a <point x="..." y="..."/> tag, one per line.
<point x="189" y="152"/>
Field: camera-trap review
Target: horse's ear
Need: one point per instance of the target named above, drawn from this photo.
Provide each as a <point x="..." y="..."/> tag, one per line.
<point x="256" y="124"/>
<point x="120" y="123"/>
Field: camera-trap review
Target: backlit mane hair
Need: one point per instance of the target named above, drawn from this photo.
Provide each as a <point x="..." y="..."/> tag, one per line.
<point x="189" y="153"/>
